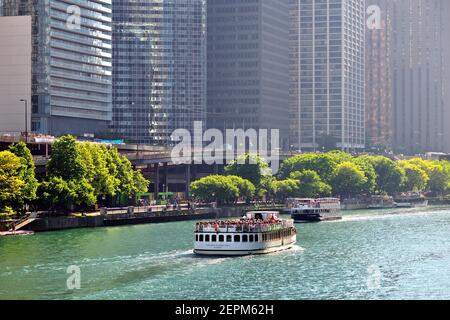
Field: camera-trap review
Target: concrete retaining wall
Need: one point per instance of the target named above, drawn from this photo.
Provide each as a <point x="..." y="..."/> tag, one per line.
<point x="62" y="223"/>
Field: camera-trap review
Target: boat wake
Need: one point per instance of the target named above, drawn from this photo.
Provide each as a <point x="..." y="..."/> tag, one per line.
<point x="387" y="215"/>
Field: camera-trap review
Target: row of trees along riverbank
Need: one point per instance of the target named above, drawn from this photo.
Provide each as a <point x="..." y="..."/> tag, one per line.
<point x="79" y="176"/>
<point x="324" y="174"/>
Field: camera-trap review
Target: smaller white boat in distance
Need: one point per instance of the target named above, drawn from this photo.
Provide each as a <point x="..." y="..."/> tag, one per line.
<point x="258" y="232"/>
<point x="314" y="210"/>
<point x="410" y="200"/>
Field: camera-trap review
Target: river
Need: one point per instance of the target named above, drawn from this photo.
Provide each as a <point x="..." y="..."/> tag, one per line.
<point x="386" y="254"/>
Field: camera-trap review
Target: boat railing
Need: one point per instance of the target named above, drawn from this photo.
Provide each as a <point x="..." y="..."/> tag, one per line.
<point x="245" y="228"/>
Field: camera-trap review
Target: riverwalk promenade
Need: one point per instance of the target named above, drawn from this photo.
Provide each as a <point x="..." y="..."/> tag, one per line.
<point x="39" y="222"/>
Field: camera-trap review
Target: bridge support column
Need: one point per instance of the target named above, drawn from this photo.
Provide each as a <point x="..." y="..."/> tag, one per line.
<point x="188" y="182"/>
<point x="156" y="183"/>
<point x="166" y="177"/>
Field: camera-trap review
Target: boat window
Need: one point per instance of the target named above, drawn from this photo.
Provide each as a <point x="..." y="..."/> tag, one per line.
<point x="250" y="238"/>
<point x="196" y="237"/>
<point x="221" y="238"/>
<point x="237" y="238"/>
<point x="207" y="238"/>
<point x="229" y="238"/>
<point x="256" y="238"/>
<point x="245" y="238"/>
<point x="214" y="238"/>
<point x="201" y="238"/>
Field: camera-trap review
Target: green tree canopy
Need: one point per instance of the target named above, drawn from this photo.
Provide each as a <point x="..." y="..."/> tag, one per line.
<point x="26" y="173"/>
<point x="66" y="161"/>
<point x="416" y="178"/>
<point x="284" y="189"/>
<point x="215" y="188"/>
<point x="390" y="176"/>
<point x="369" y="172"/>
<point x="95" y="158"/>
<point x="439" y="176"/>
<point x="246" y="188"/>
<point x="250" y="167"/>
<point x="130" y="181"/>
<point x="310" y="184"/>
<point x="323" y="164"/>
<point x="348" y="179"/>
<point x="11" y="186"/>
<point x="59" y="194"/>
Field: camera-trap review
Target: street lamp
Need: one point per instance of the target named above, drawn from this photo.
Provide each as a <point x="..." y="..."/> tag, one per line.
<point x="26" y="118"/>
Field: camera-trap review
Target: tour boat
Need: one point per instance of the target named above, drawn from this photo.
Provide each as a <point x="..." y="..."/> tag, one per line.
<point x="314" y="210"/>
<point x="258" y="232"/>
<point x="411" y="200"/>
<point x="381" y="202"/>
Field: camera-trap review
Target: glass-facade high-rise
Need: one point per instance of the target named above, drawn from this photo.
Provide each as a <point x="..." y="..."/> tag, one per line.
<point x="71" y="64"/>
<point x="421" y="75"/>
<point x="248" y="65"/>
<point x="159" y="68"/>
<point x="327" y="94"/>
<point x="379" y="67"/>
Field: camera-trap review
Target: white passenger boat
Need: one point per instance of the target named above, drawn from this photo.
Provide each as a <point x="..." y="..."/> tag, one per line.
<point x="314" y="210"/>
<point x="256" y="233"/>
<point x="410" y="200"/>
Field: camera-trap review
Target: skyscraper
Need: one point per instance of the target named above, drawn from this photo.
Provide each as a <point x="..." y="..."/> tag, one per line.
<point x="71" y="64"/>
<point x="248" y="69"/>
<point x="159" y="68"/>
<point x="421" y="80"/>
<point x="327" y="106"/>
<point x="379" y="68"/>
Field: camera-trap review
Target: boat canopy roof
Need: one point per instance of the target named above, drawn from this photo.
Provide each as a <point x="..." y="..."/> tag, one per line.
<point x="261" y="215"/>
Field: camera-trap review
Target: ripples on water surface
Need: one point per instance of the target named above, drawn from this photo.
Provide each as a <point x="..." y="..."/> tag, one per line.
<point x="410" y="249"/>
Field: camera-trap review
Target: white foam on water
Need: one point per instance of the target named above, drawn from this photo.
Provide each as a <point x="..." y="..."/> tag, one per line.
<point x="390" y="215"/>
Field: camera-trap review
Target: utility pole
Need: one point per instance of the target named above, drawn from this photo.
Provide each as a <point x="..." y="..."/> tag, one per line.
<point x="26" y="119"/>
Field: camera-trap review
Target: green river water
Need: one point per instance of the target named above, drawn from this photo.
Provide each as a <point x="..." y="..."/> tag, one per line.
<point x="386" y="254"/>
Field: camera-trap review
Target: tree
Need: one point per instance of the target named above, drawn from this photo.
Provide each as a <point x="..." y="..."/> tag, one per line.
<point x="322" y="163"/>
<point x="95" y="158"/>
<point x="416" y="178"/>
<point x="310" y="184"/>
<point x="390" y="176"/>
<point x="140" y="183"/>
<point x="59" y="194"/>
<point x="369" y="172"/>
<point x="439" y="178"/>
<point x="218" y="189"/>
<point x="245" y="187"/>
<point x="11" y="186"/>
<point x="66" y="161"/>
<point x="266" y="187"/>
<point x="26" y="173"/>
<point x="250" y="167"/>
<point x="348" y="179"/>
<point x="284" y="189"/>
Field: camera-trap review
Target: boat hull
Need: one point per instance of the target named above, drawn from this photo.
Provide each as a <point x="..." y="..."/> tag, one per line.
<point x="310" y="219"/>
<point x="243" y="252"/>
